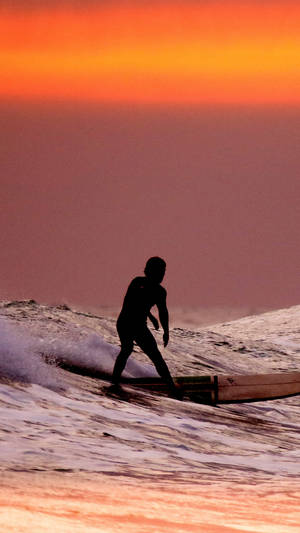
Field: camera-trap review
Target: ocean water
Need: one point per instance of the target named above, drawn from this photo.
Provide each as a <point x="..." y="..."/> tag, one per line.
<point x="76" y="457"/>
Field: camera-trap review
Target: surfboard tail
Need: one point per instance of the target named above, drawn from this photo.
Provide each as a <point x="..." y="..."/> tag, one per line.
<point x="228" y="389"/>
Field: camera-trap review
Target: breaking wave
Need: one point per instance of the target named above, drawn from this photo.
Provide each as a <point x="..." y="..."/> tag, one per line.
<point x="23" y="357"/>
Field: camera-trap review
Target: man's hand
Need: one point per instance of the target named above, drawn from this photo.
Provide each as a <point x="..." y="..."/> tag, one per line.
<point x="166" y="338"/>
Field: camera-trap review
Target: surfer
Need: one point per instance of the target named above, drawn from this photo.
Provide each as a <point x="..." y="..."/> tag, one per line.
<point x="143" y="293"/>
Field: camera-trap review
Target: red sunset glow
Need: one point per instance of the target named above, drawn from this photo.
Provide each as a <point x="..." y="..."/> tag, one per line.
<point x="237" y="52"/>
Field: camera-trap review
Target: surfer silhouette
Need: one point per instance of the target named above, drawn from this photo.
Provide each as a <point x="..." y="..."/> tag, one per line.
<point x="143" y="293"/>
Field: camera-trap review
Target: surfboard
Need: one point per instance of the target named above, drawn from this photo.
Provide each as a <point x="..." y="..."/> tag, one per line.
<point x="228" y="388"/>
<point x="212" y="389"/>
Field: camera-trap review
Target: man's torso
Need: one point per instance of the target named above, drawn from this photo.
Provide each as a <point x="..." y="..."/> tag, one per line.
<point x="141" y="295"/>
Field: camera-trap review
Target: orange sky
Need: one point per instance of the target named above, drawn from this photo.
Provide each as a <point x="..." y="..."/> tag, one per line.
<point x="194" y="52"/>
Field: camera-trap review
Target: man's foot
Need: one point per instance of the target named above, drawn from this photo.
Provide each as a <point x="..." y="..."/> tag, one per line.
<point x="115" y="385"/>
<point x="177" y="392"/>
<point x="115" y="391"/>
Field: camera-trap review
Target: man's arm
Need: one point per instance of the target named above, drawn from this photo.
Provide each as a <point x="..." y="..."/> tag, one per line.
<point x="153" y="320"/>
<point x="164" y="315"/>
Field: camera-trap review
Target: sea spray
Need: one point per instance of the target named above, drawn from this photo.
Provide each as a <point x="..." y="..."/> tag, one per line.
<point x="19" y="361"/>
<point x="93" y="353"/>
<point x="24" y="356"/>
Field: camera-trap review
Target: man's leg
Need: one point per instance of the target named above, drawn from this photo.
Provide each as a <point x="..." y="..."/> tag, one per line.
<point x="126" y="350"/>
<point x="147" y="343"/>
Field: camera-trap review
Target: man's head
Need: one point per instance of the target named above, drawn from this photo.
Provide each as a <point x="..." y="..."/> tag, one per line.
<point x="155" y="269"/>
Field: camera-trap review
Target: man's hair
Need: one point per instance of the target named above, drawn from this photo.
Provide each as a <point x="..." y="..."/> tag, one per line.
<point x="155" y="264"/>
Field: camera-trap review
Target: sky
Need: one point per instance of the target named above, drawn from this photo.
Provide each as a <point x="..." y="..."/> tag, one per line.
<point x="131" y="129"/>
<point x="193" y="52"/>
